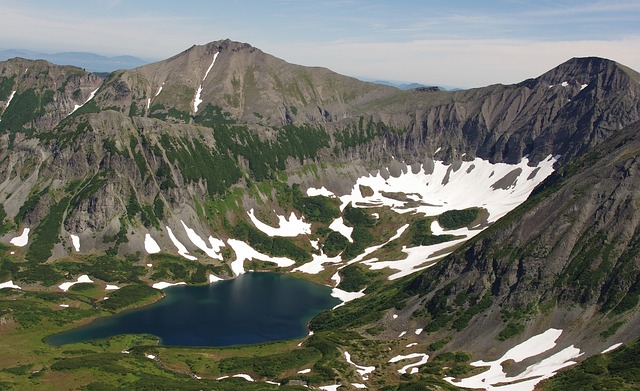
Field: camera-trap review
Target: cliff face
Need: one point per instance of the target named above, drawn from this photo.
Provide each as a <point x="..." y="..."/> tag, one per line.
<point x="36" y="95"/>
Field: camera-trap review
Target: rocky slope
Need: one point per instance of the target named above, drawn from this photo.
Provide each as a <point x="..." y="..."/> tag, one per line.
<point x="566" y="259"/>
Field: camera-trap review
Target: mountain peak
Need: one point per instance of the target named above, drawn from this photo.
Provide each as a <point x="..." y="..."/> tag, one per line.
<point x="583" y="70"/>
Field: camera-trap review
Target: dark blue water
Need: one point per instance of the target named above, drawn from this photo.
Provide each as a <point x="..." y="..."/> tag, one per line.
<point x="252" y="308"/>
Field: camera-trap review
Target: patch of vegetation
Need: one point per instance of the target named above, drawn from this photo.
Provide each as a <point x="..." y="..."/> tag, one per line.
<point x="611" y="330"/>
<point x="6" y="87"/>
<point x="439" y="344"/>
<point x="617" y="370"/>
<point x="316" y="208"/>
<point x="130" y="296"/>
<point x="33" y="273"/>
<point x="453" y="219"/>
<point x="46" y="234"/>
<point x="272" y="365"/>
<point x="358" y="217"/>
<point x="421" y="234"/>
<point x="29" y="205"/>
<point x="362" y="238"/>
<point x="277" y="246"/>
<point x="356" y="277"/>
<point x="24" y="108"/>
<point x="334" y="244"/>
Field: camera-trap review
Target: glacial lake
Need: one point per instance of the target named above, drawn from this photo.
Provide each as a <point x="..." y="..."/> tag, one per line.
<point x="251" y="308"/>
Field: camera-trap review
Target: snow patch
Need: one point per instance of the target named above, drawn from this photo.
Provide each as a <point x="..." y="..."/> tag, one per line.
<point x="21" y="240"/>
<point x="9" y="284"/>
<point x="315" y="266"/>
<point x="364" y="371"/>
<point x="445" y="189"/>
<point x="163" y="285"/>
<point x="339" y="226"/>
<point x="287" y="228"/>
<point x="612" y="347"/>
<point x="359" y="385"/>
<point x="244" y="376"/>
<point x="182" y="250"/>
<point x="150" y="245"/>
<point x="308" y="370"/>
<point x="346" y="296"/>
<point x="83" y="278"/>
<point x="64" y="305"/>
<point x="197" y="100"/>
<point x="159" y="89"/>
<point x="565" y="84"/>
<point x="111" y="287"/>
<point x="532" y="375"/>
<point x="75" y="240"/>
<point x="336" y="278"/>
<point x="413" y="367"/>
<point x="333" y="387"/>
<point x="76" y="107"/>
<point x="9" y="101"/>
<point x="214" y="278"/>
<point x="210" y="66"/>
<point x="419" y="331"/>
<point x="583" y="86"/>
<point x="411" y="344"/>
<point x="312" y="192"/>
<point x="216" y="244"/>
<point x="245" y="252"/>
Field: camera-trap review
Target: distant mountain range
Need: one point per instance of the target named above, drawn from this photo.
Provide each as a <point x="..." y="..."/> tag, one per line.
<point x="92" y="62"/>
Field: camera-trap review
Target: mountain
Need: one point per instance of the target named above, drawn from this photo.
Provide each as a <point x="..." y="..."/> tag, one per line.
<point x="457" y="224"/>
<point x="90" y="61"/>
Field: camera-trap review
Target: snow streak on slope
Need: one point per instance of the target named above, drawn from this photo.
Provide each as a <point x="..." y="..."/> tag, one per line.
<point x="216" y="244"/>
<point x="197" y="100"/>
<point x="495" y="378"/>
<point x="287" y="228"/>
<point x="182" y="250"/>
<point x="76" y="107"/>
<point x="9" y="284"/>
<point x="414" y="366"/>
<point x="7" y="105"/>
<point x="210" y="66"/>
<point x="245" y="252"/>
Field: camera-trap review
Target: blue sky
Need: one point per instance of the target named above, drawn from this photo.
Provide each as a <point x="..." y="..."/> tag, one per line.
<point x="464" y="43"/>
